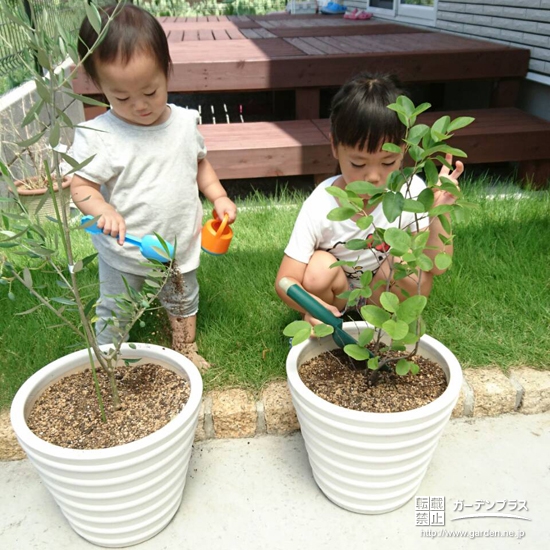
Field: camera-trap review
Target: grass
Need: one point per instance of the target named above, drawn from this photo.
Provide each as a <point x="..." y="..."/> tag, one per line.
<point x="491" y="308"/>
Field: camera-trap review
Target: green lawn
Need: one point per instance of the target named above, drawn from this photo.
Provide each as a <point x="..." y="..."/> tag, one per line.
<point x="491" y="308"/>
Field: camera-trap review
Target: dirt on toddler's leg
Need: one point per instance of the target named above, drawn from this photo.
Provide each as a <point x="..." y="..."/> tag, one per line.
<point x="181" y="343"/>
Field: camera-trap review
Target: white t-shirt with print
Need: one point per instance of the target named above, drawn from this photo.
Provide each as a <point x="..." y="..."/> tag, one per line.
<point x="314" y="231"/>
<point x="149" y="174"/>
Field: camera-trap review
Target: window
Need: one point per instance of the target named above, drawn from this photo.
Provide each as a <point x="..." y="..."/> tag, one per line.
<point x="421" y="11"/>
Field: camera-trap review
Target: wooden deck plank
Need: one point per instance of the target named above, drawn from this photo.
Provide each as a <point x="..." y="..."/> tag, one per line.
<point x="250" y="33"/>
<point x="235" y="34"/>
<point x="221" y="34"/>
<point x="198" y="25"/>
<point x="205" y="34"/>
<point x="304" y="46"/>
<point x="191" y="36"/>
<point x="295" y="147"/>
<point x="175" y="36"/>
<point x="322" y="46"/>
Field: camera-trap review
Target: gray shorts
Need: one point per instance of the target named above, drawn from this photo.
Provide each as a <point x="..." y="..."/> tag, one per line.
<point x="180" y="297"/>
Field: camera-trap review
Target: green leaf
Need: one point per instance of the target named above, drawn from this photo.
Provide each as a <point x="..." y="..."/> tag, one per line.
<point x="340" y="214"/>
<point x="431" y="172"/>
<point x="55" y="135"/>
<point x="441" y="209"/>
<point x="453" y="151"/>
<point x="420" y="109"/>
<point x="402" y="367"/>
<point x="301" y="336"/>
<point x="323" y="330"/>
<point x="440" y="127"/>
<point x="78" y="266"/>
<point x="410" y="339"/>
<point x="372" y="363"/>
<point x="392" y="205"/>
<point x="27" y="278"/>
<point x="415" y="369"/>
<point x="395" y="329"/>
<point x="296" y="326"/>
<point x="374" y="315"/>
<point x="31" y="141"/>
<point x="417" y="132"/>
<point x="364" y="188"/>
<point x="420" y="240"/>
<point x="43" y="59"/>
<point x="357" y="352"/>
<point x="364" y="222"/>
<point x="42" y="90"/>
<point x="445" y="222"/>
<point x="65" y="301"/>
<point x="391" y="148"/>
<point x="93" y="17"/>
<point x="416" y="152"/>
<point x="365" y="338"/>
<point x="406" y="104"/>
<point x="426" y="198"/>
<point x="33" y="112"/>
<point x="460" y="122"/>
<point x="411" y="309"/>
<point x="356" y="244"/>
<point x="366" y="278"/>
<point x="443" y="260"/>
<point x="87" y="100"/>
<point x="336" y="192"/>
<point x="424" y="262"/>
<point x="415" y="206"/>
<point x="398" y="239"/>
<point x="396" y="180"/>
<point x="389" y="301"/>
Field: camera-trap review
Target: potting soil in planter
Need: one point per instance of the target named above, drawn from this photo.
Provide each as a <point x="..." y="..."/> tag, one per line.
<point x="67" y="413"/>
<point x="334" y="377"/>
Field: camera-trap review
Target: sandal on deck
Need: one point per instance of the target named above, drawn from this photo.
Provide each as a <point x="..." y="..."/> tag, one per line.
<point x="351" y="14"/>
<point x="363" y="15"/>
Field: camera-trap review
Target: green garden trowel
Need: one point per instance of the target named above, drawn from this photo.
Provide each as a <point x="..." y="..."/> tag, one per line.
<point x="313" y="307"/>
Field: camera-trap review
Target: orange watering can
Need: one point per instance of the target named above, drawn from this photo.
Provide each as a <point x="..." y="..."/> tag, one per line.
<point x="216" y="235"/>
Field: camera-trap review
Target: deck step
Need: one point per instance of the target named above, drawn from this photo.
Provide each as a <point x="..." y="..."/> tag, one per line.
<point x="302" y="147"/>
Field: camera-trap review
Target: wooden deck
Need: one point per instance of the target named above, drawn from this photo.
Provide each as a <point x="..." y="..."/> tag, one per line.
<point x="309" y="52"/>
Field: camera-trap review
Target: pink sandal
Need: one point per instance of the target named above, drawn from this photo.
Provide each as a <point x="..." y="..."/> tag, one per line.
<point x="351" y="14"/>
<point x="363" y="15"/>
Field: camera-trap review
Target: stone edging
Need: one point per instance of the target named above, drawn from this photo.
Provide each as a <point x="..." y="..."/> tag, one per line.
<point x="235" y="413"/>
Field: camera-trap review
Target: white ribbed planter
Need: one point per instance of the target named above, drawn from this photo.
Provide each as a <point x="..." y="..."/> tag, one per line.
<point x="370" y="463"/>
<point x="122" y="495"/>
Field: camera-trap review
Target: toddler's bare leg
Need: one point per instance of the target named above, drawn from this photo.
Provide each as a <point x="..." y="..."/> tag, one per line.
<point x="183" y="340"/>
<point x="324" y="281"/>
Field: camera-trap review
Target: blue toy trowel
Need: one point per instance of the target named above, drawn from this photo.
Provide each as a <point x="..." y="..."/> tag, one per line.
<point x="150" y="246"/>
<point x="313" y="307"/>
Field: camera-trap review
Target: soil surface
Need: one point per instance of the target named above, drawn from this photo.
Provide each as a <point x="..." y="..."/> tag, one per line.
<point x="336" y="379"/>
<point x="67" y="413"/>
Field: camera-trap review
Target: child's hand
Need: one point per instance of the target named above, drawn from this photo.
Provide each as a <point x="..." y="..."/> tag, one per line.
<point x="223" y="206"/>
<point x="314" y="321"/>
<point x="112" y="224"/>
<point x="444" y="197"/>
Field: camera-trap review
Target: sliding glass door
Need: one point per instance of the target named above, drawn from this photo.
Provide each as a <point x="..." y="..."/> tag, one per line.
<point x="409" y="9"/>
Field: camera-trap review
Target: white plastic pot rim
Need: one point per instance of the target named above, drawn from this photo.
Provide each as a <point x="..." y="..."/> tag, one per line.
<point x="446" y="399"/>
<point x="151" y="351"/>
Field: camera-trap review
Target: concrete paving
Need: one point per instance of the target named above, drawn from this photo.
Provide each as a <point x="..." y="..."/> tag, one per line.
<point x="259" y="494"/>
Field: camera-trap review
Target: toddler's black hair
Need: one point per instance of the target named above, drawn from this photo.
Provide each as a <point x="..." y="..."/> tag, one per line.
<point x="359" y="114"/>
<point x="132" y="30"/>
